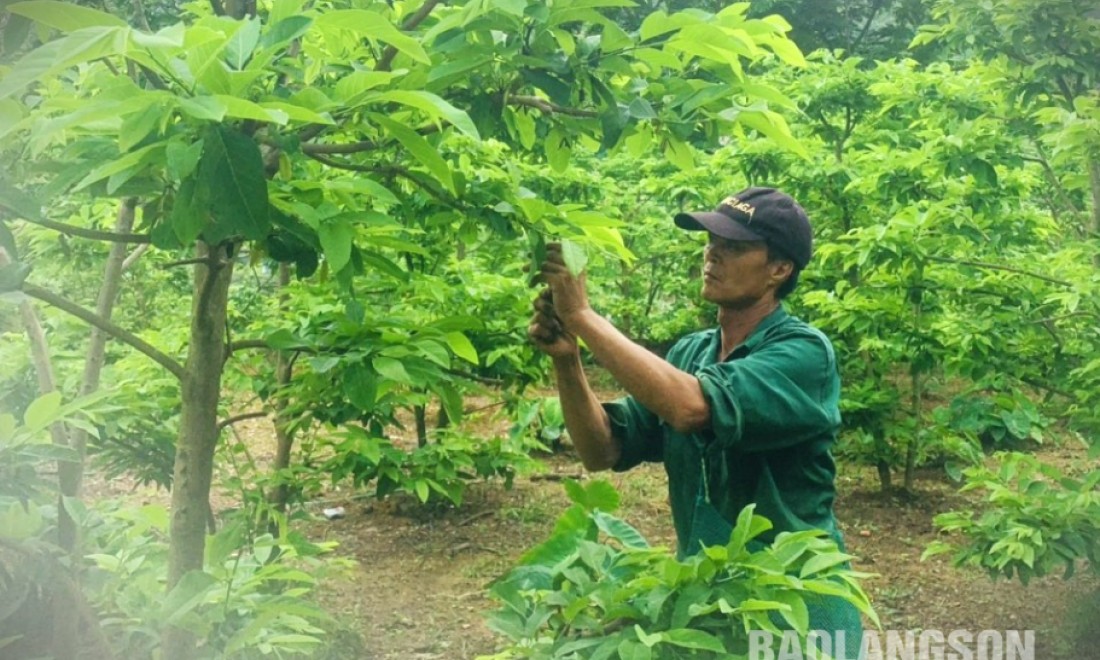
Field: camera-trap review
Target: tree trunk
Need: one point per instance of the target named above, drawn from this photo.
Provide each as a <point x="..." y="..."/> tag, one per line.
<point x="284" y="438"/>
<point x="421" y="415"/>
<point x="64" y="627"/>
<point x="914" y="442"/>
<point x="1094" y="185"/>
<point x="198" y="433"/>
<point x="71" y="475"/>
<point x="917" y="400"/>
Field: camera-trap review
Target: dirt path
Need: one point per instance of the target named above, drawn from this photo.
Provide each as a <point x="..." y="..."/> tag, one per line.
<point x="419" y="590"/>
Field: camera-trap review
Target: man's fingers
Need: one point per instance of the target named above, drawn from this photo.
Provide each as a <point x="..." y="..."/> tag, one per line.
<point x="540" y="333"/>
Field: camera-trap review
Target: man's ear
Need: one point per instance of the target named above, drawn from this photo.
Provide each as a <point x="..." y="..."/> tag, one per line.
<point x="781" y="270"/>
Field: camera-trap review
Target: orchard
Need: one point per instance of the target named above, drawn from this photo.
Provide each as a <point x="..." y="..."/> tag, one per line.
<point x="267" y="269"/>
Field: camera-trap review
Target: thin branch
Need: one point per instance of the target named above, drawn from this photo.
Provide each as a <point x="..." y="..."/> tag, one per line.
<point x="139" y="15"/>
<point x="349" y="148"/>
<point x="245" y="344"/>
<point x="92" y="234"/>
<point x="866" y="26"/>
<point x="351" y="167"/>
<point x="1043" y="386"/>
<point x="357" y="147"/>
<point x="386" y="61"/>
<point x="474" y="377"/>
<point x="230" y="421"/>
<point x="1010" y="269"/>
<point x="130" y="260"/>
<point x="1052" y="178"/>
<point x="125" y="336"/>
<point x="387" y="169"/>
<point x="210" y="261"/>
<point x="549" y="107"/>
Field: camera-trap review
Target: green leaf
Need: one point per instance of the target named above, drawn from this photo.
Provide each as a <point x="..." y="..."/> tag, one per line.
<point x="351" y="88"/>
<point x="819" y="563"/>
<point x="81" y="46"/>
<point x="575" y="256"/>
<point x="64" y="16"/>
<point x="285" y="30"/>
<point x="297" y="112"/>
<point x="640" y="108"/>
<point x="240" y="46"/>
<point x="431" y="104"/>
<point x="787" y="51"/>
<point x="557" y="150"/>
<point x="189" y="593"/>
<point x="190" y="211"/>
<point x="619" y="530"/>
<point x="748" y="527"/>
<point x="233" y="171"/>
<point x="244" y="109"/>
<point x="336" y="238"/>
<point x="42" y="412"/>
<point x="132" y="161"/>
<point x="51" y="452"/>
<point x="373" y="26"/>
<point x="7" y="243"/>
<point x="631" y="650"/>
<point x="361" y="386"/>
<point x="422" y="491"/>
<point x="18" y="203"/>
<point x="203" y="108"/>
<point x="598" y="494"/>
<point x="138" y="125"/>
<point x="392" y="369"/>
<point x="182" y="158"/>
<point x="461" y="346"/>
<point x="20" y="522"/>
<point x="680" y="154"/>
<point x="420" y="149"/>
<point x="694" y="639"/>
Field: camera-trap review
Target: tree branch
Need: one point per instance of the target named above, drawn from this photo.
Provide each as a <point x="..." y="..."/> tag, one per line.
<point x="549" y="107"/>
<point x="1010" y="269"/>
<point x="386" y="169"/>
<point x="474" y="377"/>
<point x="134" y="256"/>
<point x="229" y="421"/>
<point x="349" y="148"/>
<point x="386" y="61"/>
<point x="92" y="234"/>
<point x="866" y="26"/>
<point x="311" y="148"/>
<point x="211" y="261"/>
<point x="125" y="336"/>
<point x="245" y="344"/>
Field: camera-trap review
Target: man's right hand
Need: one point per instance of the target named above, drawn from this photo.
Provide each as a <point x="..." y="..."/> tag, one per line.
<point x="546" y="330"/>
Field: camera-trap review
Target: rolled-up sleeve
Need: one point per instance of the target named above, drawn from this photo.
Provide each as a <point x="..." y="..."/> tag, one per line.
<point x="775" y="397"/>
<point x="638" y="431"/>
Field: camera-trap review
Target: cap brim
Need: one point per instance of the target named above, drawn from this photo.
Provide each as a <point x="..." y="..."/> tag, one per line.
<point x="716" y="223"/>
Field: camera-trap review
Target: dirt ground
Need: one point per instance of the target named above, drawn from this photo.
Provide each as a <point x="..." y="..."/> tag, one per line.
<point x="418" y="588"/>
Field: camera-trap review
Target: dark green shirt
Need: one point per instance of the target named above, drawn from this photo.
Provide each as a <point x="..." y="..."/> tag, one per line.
<point x="774" y="406"/>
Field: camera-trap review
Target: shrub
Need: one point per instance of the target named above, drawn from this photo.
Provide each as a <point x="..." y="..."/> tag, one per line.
<point x="575" y="596"/>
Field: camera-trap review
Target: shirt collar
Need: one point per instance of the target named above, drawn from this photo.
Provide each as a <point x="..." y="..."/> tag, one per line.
<point x="753" y="340"/>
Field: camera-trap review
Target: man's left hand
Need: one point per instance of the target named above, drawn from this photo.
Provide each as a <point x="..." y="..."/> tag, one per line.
<point x="570" y="297"/>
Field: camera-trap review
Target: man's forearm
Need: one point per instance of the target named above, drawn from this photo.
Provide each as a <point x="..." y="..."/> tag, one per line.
<point x="673" y="395"/>
<point x="586" y="420"/>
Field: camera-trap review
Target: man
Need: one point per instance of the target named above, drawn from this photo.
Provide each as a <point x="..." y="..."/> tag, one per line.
<point x="742" y="413"/>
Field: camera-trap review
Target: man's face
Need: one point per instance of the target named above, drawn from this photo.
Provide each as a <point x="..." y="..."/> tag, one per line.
<point x="737" y="274"/>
